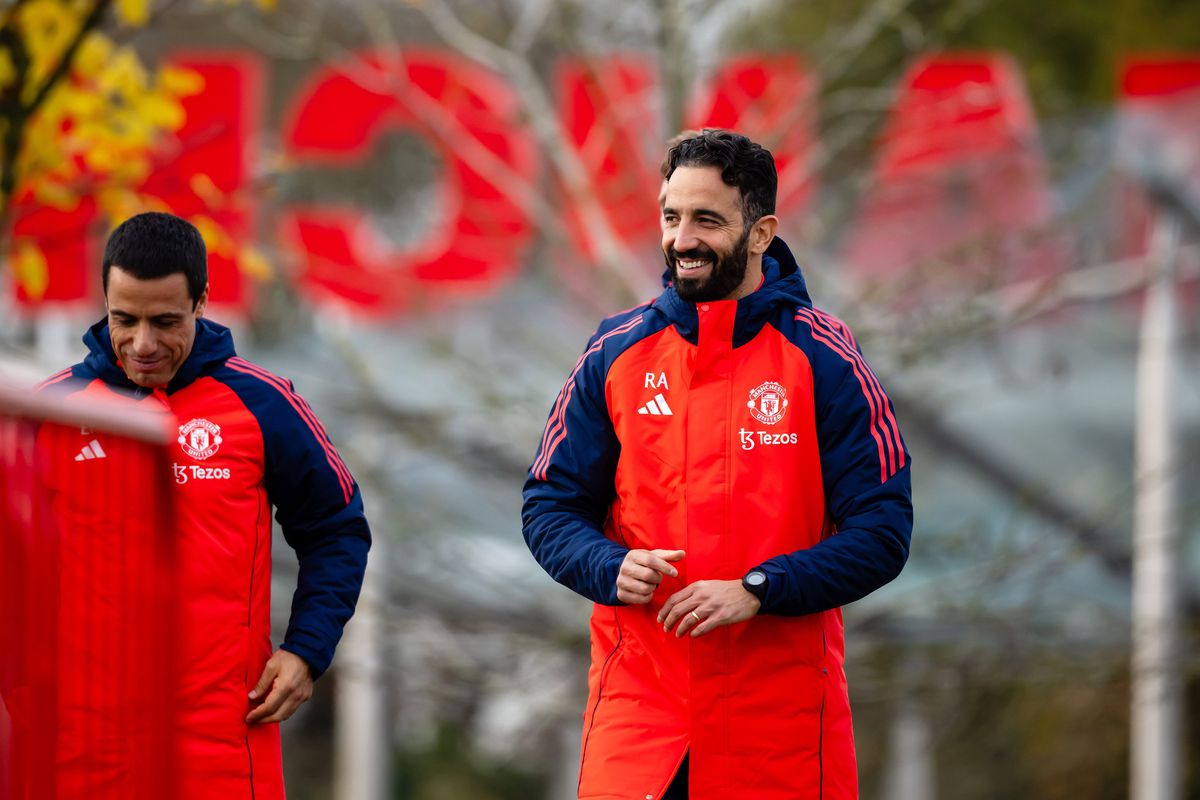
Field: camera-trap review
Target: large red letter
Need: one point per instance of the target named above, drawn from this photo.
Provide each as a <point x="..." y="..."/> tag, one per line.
<point x="201" y="172"/>
<point x="472" y="119"/>
<point x="771" y="99"/>
<point x="1160" y="115"/>
<point x="610" y="110"/>
<point x="72" y="262"/>
<point x="959" y="177"/>
<point x="607" y="108"/>
<point x="208" y="173"/>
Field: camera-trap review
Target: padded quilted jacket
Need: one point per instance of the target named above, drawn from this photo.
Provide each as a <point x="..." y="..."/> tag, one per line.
<point x="246" y="443"/>
<point x="748" y="433"/>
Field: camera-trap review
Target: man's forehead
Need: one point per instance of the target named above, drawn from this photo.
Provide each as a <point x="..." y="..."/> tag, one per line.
<point x="701" y="187"/>
<point x="126" y="289"/>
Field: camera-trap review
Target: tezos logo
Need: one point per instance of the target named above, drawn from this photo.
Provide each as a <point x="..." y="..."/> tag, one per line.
<point x="199" y="438"/>
<point x="768" y="402"/>
<point x="197" y="472"/>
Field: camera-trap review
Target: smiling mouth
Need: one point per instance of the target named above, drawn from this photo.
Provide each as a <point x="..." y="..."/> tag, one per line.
<point x="145" y="366"/>
<point x="687" y="265"/>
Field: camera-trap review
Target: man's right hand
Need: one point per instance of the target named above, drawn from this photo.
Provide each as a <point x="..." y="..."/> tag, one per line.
<point x="641" y="573"/>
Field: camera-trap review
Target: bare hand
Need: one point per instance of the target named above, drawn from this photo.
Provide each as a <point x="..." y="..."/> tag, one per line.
<point x="290" y="682"/>
<point x="706" y="605"/>
<point x="641" y="573"/>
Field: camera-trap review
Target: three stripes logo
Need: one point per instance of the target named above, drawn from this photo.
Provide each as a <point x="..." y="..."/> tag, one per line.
<point x="92" y="450"/>
<point x="657" y="407"/>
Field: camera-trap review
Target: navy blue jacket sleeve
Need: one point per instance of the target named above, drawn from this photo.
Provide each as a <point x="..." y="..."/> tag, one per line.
<point x="868" y="493"/>
<point x="320" y="511"/>
<point x="569" y="488"/>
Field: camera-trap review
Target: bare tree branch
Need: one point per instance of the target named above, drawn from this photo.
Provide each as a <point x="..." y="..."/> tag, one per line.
<point x="614" y="257"/>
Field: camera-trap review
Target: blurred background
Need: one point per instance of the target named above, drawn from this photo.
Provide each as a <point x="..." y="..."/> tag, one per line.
<point x="418" y="210"/>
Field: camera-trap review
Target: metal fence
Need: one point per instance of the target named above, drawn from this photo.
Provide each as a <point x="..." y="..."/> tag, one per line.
<point x="88" y="604"/>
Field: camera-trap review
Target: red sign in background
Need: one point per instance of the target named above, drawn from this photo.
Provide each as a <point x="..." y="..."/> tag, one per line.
<point x="959" y="161"/>
<point x="472" y="119"/>
<point x="205" y="171"/>
<point x="212" y="168"/>
<point x="1162" y="100"/>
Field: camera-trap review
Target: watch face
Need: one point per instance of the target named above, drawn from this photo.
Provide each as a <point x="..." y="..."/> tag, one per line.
<point x="756" y="578"/>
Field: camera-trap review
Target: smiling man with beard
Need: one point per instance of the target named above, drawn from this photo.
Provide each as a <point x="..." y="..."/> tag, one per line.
<point x="707" y="228"/>
<point x="720" y="473"/>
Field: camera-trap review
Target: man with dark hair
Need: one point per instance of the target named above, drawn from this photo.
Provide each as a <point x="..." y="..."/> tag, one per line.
<point x="720" y="473"/>
<point x="665" y="166"/>
<point x="155" y="245"/>
<point x="246" y="442"/>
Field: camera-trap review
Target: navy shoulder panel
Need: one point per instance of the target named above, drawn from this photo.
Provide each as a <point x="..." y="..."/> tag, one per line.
<point x="844" y="382"/>
<point x="582" y="395"/>
<point x="318" y="506"/>
<point x="618" y="333"/>
<point x="293" y="436"/>
<point x="68" y="381"/>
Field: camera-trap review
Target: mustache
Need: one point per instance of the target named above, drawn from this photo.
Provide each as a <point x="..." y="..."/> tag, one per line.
<point x="688" y="255"/>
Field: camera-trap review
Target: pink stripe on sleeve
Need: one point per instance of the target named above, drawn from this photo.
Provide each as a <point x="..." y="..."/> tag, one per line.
<point x="891" y="428"/>
<point x="57" y="377"/>
<point x="888" y="460"/>
<point x="306" y="413"/>
<point x="556" y="427"/>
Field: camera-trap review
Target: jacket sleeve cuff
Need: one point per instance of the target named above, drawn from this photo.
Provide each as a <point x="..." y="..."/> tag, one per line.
<point x="317" y="662"/>
<point x="782" y="595"/>
<point x="610" y="571"/>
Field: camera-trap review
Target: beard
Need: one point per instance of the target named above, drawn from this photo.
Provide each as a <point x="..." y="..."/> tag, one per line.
<point x="726" y="275"/>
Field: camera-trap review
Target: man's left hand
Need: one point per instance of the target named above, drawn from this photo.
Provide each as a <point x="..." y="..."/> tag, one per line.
<point x="290" y="683"/>
<point x="706" y="605"/>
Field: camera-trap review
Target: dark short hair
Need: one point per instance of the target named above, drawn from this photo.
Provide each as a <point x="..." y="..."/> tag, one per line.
<point x="687" y="133"/>
<point x="154" y="245"/>
<point x="744" y="164"/>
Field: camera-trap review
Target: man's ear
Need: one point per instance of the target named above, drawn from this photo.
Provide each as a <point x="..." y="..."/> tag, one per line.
<point x="762" y="233"/>
<point x="202" y="302"/>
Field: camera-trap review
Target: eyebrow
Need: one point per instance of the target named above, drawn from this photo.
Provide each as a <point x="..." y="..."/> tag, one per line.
<point x="699" y="212"/>
<point x="168" y="315"/>
<point x="708" y="212"/>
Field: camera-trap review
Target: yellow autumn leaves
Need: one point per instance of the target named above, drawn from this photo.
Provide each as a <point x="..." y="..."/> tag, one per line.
<point x="30" y="268"/>
<point x="92" y="117"/>
<point x="134" y="13"/>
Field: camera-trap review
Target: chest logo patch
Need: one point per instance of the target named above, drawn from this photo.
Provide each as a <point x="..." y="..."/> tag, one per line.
<point x="200" y="438"/>
<point x="768" y="403"/>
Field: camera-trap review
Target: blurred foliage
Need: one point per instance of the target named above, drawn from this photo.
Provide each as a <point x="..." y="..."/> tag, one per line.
<point x="450" y="769"/>
<point x="80" y="114"/>
<point x="1069" y="52"/>
<point x="84" y="118"/>
<point x="1057" y="722"/>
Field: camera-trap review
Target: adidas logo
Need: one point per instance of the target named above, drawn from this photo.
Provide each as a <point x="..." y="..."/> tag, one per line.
<point x="658" y="407"/>
<point x="91" y="450"/>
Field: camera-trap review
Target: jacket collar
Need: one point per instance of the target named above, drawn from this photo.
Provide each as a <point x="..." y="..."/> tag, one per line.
<point x="212" y="346"/>
<point x="783" y="285"/>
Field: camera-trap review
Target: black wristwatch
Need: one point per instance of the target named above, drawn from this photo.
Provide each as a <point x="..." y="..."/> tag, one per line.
<point x="755" y="582"/>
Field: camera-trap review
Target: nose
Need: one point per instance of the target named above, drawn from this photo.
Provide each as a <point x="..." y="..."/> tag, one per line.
<point x="144" y="341"/>
<point x="685" y="236"/>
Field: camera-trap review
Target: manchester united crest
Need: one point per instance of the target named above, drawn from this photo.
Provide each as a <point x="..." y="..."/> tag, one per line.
<point x="199" y="438"/>
<point x="768" y="403"/>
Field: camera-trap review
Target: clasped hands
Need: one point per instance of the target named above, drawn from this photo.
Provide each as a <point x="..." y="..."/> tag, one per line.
<point x="697" y="608"/>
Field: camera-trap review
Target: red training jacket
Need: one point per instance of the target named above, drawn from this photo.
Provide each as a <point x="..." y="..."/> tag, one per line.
<point x="748" y="433"/>
<point x="246" y="443"/>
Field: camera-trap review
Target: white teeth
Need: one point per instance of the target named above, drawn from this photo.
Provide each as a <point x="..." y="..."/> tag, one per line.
<point x="691" y="264"/>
